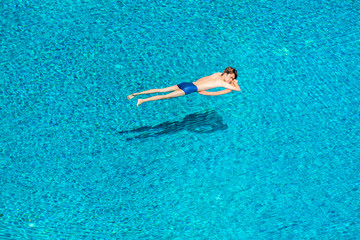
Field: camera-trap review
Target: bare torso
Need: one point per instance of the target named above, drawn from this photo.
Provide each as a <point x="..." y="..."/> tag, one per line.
<point x="213" y="81"/>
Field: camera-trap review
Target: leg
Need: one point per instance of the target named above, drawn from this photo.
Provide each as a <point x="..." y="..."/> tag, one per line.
<point x="174" y="94"/>
<point x="168" y="89"/>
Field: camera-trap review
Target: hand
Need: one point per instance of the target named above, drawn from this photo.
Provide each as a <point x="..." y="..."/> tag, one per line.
<point x="234" y="82"/>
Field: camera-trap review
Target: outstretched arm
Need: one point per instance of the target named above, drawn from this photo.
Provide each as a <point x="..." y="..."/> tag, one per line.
<point x="215" y="93"/>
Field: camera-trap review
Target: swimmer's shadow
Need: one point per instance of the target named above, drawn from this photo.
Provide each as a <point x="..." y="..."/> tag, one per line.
<point x="203" y="122"/>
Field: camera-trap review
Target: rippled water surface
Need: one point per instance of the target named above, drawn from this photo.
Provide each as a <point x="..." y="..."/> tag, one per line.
<point x="279" y="160"/>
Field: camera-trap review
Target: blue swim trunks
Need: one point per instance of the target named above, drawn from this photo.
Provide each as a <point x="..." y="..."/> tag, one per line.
<point x="188" y="87"/>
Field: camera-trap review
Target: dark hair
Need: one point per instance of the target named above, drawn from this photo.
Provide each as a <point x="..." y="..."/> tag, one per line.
<point x="230" y="70"/>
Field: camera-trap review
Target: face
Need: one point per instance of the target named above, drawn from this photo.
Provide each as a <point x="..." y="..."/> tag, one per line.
<point x="229" y="77"/>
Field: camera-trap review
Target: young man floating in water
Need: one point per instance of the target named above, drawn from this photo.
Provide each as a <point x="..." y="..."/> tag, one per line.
<point x="227" y="80"/>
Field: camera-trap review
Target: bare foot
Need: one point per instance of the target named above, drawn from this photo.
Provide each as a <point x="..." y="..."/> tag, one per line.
<point x="140" y="101"/>
<point x="131" y="96"/>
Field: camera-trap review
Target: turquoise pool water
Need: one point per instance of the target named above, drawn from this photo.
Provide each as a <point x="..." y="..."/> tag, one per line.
<point x="280" y="160"/>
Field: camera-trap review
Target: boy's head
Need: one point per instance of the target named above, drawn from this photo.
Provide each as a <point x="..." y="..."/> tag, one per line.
<point x="230" y="70"/>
